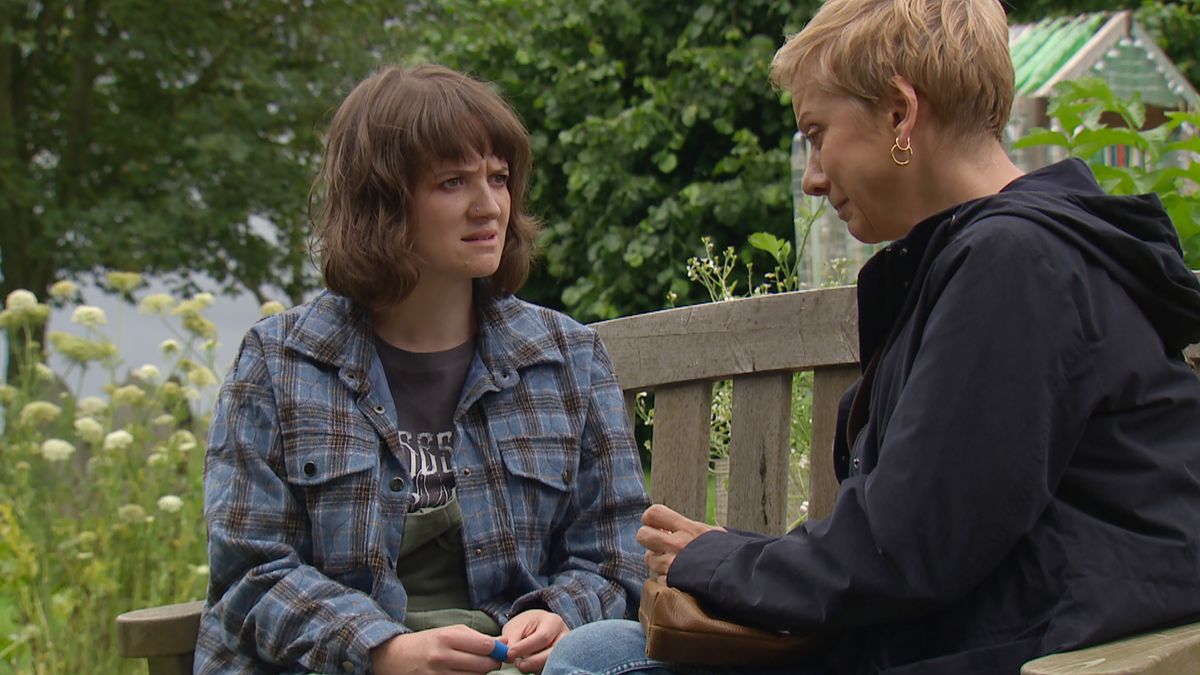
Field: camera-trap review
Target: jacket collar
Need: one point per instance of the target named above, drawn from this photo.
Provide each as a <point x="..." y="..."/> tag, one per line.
<point x="336" y="331"/>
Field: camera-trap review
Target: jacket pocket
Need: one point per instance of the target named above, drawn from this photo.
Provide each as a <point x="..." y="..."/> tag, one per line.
<point x="541" y="478"/>
<point x="336" y="479"/>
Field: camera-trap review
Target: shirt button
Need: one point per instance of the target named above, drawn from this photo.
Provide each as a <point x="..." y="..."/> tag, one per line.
<point x="310" y="469"/>
<point x="856" y="462"/>
<point x="397" y="483"/>
<point x="379" y="410"/>
<point x="351" y="376"/>
<point x="478" y="552"/>
<point x="566" y="475"/>
<point x="466" y="472"/>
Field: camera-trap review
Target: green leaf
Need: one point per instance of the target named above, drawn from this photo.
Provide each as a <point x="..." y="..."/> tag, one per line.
<point x="1039" y="137"/>
<point x="1189" y="144"/>
<point x="765" y="241"/>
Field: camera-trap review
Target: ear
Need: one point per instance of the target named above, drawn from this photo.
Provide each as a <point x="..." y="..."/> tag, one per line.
<point x="902" y="106"/>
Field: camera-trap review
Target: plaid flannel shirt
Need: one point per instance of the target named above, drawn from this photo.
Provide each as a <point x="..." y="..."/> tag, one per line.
<point x="306" y="489"/>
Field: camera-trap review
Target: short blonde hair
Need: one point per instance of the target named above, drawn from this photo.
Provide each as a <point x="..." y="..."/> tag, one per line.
<point x="954" y="52"/>
<point x="386" y="135"/>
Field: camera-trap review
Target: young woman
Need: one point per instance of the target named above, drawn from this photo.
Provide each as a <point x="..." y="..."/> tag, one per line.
<point x="416" y="460"/>
<point x="1020" y="462"/>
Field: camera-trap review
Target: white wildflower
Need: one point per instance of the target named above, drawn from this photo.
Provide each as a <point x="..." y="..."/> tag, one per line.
<point x="81" y="350"/>
<point x="202" y="376"/>
<point x="37" y="413"/>
<point x="271" y="307"/>
<point x="20" y="299"/>
<point x="156" y="459"/>
<point x="118" y="440"/>
<point x="170" y="503"/>
<point x="8" y="394"/>
<point x="43" y="372"/>
<point x="130" y="394"/>
<point x="124" y="282"/>
<point x="199" y="326"/>
<point x="89" y="430"/>
<point x="164" y="420"/>
<point x="91" y="405"/>
<point x="169" y="347"/>
<point x="131" y="513"/>
<point x="57" y="450"/>
<point x="89" y="316"/>
<point x="64" y="289"/>
<point x="183" y="440"/>
<point x="156" y="303"/>
<point x="147" y="373"/>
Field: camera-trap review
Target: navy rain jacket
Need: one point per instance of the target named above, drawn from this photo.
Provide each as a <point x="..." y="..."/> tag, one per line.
<point x="1021" y="472"/>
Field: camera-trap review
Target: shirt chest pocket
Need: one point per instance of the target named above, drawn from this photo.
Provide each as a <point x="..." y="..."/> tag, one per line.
<point x="337" y="478"/>
<point x="541" y="473"/>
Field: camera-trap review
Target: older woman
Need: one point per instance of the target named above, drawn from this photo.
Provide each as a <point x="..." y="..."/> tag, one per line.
<point x="1020" y="462"/>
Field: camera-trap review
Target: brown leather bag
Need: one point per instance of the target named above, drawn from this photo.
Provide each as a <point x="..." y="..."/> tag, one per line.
<point x="678" y="630"/>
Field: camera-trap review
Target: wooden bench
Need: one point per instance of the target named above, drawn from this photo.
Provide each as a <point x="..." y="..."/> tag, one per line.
<point x="758" y="343"/>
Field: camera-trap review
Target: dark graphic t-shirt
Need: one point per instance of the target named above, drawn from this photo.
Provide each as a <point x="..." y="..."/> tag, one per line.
<point x="425" y="387"/>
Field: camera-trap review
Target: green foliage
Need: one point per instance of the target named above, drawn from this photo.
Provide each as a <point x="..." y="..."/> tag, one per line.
<point x="101" y="508"/>
<point x="145" y="135"/>
<point x="1167" y="152"/>
<point x="1177" y="27"/>
<point x="653" y="123"/>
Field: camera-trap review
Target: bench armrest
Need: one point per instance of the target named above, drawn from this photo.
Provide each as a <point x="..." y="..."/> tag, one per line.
<point x="169" y="630"/>
<point x="1164" y="652"/>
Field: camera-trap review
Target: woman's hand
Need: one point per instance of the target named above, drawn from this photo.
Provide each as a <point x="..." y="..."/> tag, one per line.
<point x="452" y="649"/>
<point x="530" y="636"/>
<point x="664" y="533"/>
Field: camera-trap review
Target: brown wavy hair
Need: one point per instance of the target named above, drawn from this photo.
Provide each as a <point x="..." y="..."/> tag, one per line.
<point x="388" y="133"/>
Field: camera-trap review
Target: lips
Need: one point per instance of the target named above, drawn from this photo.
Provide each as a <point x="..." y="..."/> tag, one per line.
<point x="481" y="237"/>
<point x="838" y="208"/>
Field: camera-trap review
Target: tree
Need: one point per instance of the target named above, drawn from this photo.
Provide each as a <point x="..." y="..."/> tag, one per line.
<point x="653" y="124"/>
<point x="168" y="138"/>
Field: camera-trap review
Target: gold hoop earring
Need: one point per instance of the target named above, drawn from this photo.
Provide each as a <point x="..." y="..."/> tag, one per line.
<point x="907" y="147"/>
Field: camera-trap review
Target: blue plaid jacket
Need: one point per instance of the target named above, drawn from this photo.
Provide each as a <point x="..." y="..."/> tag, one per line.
<point x="306" y="488"/>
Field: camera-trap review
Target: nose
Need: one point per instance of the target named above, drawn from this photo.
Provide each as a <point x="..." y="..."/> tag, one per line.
<point x="485" y="204"/>
<point x="814" y="182"/>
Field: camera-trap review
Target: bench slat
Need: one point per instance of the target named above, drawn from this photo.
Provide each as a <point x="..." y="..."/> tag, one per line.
<point x="758" y="468"/>
<point x="1166" y="652"/>
<point x="721" y="340"/>
<point x="828" y="386"/>
<point x="166" y="631"/>
<point x="679" y="468"/>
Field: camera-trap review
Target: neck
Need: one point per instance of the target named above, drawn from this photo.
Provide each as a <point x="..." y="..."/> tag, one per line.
<point x="436" y="316"/>
<point x="953" y="177"/>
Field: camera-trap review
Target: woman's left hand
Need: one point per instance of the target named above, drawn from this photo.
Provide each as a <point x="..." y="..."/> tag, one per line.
<point x="664" y="533"/>
<point x="530" y="636"/>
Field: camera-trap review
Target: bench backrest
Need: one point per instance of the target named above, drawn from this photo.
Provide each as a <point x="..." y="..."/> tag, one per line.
<point x="758" y="343"/>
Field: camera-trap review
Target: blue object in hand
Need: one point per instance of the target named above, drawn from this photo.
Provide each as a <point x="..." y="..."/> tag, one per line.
<point x="500" y="651"/>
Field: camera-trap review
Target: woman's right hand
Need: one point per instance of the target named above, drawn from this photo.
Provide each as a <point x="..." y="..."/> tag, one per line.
<point x="451" y="649"/>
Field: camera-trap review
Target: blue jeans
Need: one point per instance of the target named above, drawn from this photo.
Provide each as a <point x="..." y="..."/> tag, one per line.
<point x="618" y="647"/>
